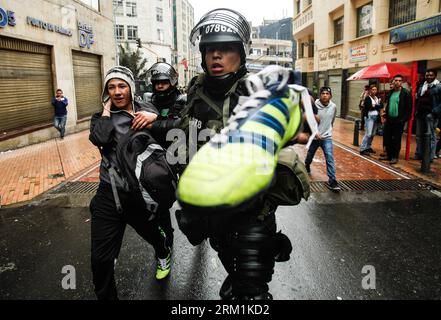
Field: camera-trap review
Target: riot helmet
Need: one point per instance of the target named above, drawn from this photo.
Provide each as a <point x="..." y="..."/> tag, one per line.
<point x="162" y="71"/>
<point x="222" y="26"/>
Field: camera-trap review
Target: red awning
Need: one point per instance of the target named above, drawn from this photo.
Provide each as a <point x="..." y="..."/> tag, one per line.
<point x="382" y="71"/>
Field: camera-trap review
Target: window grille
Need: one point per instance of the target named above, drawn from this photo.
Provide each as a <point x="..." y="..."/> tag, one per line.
<point x="364" y="20"/>
<point x="401" y="11"/>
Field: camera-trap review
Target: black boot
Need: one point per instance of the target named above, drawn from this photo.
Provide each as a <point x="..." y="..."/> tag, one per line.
<point x="262" y="296"/>
<point x="226" y="291"/>
<point x="283" y="246"/>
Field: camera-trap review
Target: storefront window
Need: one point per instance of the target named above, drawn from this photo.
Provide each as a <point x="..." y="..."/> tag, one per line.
<point x="364" y="20"/>
<point x="401" y="11"/>
<point x="132" y="32"/>
<point x="338" y="30"/>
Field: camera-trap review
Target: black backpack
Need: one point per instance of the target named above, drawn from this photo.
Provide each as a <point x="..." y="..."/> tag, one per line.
<point x="144" y="168"/>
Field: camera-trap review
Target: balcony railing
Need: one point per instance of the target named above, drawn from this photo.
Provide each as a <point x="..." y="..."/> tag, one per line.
<point x="303" y="20"/>
<point x="266" y="58"/>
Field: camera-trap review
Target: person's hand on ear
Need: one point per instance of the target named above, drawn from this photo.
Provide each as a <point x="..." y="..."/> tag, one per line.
<point x="106" y="108"/>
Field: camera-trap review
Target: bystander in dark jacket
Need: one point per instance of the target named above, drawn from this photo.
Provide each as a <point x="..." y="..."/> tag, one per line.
<point x="60" y="103"/>
<point x="428" y="111"/>
<point x="398" y="111"/>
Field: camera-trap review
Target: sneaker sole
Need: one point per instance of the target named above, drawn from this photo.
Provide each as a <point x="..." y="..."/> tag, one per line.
<point x="218" y="180"/>
<point x="336" y="189"/>
<point x="163" y="277"/>
<point x="243" y="206"/>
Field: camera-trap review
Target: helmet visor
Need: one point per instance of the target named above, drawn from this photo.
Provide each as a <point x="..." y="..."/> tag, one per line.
<point x="163" y="71"/>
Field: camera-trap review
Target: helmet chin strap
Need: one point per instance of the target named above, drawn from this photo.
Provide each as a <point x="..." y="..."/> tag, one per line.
<point x="165" y="97"/>
<point x="220" y="85"/>
<point x="223" y="77"/>
<point x="164" y="93"/>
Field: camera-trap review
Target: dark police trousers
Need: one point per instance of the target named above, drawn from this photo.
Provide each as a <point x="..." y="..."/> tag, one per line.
<point x="246" y="247"/>
<point x="107" y="231"/>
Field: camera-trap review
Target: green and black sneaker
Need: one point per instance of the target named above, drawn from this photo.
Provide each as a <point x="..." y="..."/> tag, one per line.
<point x="163" y="265"/>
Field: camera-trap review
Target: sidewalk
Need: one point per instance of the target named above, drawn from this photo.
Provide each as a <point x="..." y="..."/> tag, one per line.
<point x="30" y="171"/>
<point x="344" y="134"/>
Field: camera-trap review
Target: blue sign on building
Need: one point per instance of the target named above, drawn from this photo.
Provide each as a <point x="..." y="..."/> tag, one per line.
<point x="7" y="18"/>
<point x="85" y="35"/>
<point x="48" y="26"/>
<point x="422" y="29"/>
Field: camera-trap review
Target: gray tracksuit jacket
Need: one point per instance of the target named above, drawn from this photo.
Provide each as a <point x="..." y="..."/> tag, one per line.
<point x="327" y="116"/>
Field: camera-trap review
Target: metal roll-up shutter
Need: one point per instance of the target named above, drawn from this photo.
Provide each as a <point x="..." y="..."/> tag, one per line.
<point x="355" y="90"/>
<point x="26" y="85"/>
<point x="88" y="83"/>
<point x="335" y="85"/>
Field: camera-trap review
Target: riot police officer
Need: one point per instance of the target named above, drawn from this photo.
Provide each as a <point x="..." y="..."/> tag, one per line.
<point x="246" y="242"/>
<point x="169" y="101"/>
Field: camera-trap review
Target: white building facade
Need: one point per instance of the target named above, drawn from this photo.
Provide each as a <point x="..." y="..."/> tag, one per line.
<point x="147" y="20"/>
<point x="271" y="44"/>
<point x="186" y="58"/>
<point x="269" y="51"/>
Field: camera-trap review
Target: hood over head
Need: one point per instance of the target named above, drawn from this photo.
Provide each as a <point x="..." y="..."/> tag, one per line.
<point x="119" y="72"/>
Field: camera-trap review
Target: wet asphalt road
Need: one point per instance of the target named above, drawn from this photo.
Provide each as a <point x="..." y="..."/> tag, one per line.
<point x="334" y="236"/>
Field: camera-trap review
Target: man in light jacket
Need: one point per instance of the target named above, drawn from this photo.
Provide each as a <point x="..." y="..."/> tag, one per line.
<point x="327" y="112"/>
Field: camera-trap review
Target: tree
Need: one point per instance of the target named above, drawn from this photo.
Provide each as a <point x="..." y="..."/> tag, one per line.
<point x="133" y="60"/>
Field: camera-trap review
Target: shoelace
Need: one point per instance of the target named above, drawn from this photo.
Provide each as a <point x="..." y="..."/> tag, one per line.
<point x="163" y="263"/>
<point x="256" y="85"/>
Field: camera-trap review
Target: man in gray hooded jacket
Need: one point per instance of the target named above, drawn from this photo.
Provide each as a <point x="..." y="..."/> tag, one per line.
<point x="327" y="112"/>
<point x="120" y="113"/>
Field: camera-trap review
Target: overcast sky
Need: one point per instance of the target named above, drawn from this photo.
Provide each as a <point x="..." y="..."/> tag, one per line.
<point x="253" y="10"/>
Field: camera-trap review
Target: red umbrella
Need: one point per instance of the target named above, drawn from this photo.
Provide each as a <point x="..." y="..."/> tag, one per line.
<point x="382" y="71"/>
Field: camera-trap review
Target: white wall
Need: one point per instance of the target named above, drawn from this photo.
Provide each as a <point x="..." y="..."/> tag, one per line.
<point x="147" y="29"/>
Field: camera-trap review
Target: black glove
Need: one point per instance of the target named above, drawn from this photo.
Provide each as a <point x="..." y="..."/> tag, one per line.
<point x="283" y="247"/>
<point x="193" y="226"/>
